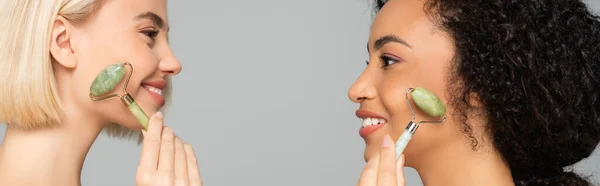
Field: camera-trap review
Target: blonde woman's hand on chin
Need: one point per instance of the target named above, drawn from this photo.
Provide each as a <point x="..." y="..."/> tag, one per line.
<point x="383" y="169"/>
<point x="166" y="160"/>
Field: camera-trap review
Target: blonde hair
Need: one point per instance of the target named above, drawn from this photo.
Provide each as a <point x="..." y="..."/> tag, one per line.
<point x="28" y="92"/>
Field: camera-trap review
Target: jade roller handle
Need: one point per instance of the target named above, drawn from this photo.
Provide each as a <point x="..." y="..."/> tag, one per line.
<point x="405" y="138"/>
<point x="135" y="109"/>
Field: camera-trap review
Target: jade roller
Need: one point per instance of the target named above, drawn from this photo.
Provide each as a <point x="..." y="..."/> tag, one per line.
<point x="428" y="103"/>
<point x="107" y="80"/>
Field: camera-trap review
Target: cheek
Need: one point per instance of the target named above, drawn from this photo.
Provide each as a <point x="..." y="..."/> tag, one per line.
<point x="393" y="94"/>
<point x="93" y="55"/>
<point x="131" y="48"/>
<point x="144" y="63"/>
<point x="98" y="51"/>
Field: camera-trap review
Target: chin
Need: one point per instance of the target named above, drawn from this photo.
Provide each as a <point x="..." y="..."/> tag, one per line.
<point x="368" y="154"/>
<point x="374" y="142"/>
<point x="372" y="149"/>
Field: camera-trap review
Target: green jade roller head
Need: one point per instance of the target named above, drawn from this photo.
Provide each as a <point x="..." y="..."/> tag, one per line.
<point x="428" y="103"/>
<point x="107" y="80"/>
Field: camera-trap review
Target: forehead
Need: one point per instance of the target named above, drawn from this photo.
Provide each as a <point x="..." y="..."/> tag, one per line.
<point x="126" y="10"/>
<point x="402" y="18"/>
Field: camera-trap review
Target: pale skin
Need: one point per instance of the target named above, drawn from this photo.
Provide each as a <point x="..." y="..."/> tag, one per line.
<point x="407" y="50"/>
<point x="132" y="31"/>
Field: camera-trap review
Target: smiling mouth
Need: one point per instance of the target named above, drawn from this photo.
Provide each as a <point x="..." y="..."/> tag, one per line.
<point x="372" y="122"/>
<point x="153" y="89"/>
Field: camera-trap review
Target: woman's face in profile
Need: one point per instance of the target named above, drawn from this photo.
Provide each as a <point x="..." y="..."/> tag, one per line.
<point x="133" y="31"/>
<point x="405" y="50"/>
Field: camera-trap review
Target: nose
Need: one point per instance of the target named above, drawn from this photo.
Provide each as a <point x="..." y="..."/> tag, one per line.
<point x="169" y="64"/>
<point x="363" y="88"/>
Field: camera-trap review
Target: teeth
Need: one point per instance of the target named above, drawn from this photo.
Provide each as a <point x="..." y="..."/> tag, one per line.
<point x="153" y="89"/>
<point x="382" y="121"/>
<point x="366" y="122"/>
<point x="372" y="121"/>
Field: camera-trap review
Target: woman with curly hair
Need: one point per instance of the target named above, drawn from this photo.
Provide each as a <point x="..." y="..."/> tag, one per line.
<point x="520" y="79"/>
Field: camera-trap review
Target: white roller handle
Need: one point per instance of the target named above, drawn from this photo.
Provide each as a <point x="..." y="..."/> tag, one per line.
<point x="402" y="142"/>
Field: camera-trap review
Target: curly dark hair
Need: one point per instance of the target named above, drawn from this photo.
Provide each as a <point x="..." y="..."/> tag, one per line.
<point x="535" y="66"/>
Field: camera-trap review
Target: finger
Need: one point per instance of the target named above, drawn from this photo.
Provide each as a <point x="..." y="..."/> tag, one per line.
<point x="368" y="176"/>
<point x="151" y="144"/>
<point x="192" y="165"/>
<point x="167" y="153"/>
<point x="400" y="171"/>
<point x="387" y="163"/>
<point x="181" y="170"/>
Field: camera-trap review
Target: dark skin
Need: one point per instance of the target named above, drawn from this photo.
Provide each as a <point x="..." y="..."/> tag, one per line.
<point x="403" y="45"/>
<point x="520" y="79"/>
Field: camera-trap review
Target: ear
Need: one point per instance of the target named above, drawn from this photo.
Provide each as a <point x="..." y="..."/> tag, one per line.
<point x="61" y="43"/>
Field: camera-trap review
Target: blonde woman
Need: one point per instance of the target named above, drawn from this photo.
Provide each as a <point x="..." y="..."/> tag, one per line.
<point x="50" y="52"/>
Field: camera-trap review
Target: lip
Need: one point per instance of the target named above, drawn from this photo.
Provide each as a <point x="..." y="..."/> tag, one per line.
<point x="367" y="114"/>
<point x="159" y="84"/>
<point x="366" y="131"/>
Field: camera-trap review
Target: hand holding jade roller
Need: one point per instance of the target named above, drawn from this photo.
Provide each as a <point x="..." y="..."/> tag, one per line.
<point x="428" y="103"/>
<point x="156" y="164"/>
<point x="107" y="80"/>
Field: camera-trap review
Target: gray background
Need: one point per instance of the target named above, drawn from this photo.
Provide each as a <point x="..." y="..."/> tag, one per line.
<point x="263" y="95"/>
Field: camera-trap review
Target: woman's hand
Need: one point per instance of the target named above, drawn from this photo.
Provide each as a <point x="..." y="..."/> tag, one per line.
<point x="383" y="169"/>
<point x="166" y="160"/>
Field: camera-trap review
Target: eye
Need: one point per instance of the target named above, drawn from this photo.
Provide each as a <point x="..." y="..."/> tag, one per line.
<point x="150" y="34"/>
<point x="388" y="60"/>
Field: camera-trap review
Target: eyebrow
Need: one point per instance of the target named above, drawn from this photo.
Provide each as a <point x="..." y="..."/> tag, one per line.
<point x="382" y="41"/>
<point x="156" y="20"/>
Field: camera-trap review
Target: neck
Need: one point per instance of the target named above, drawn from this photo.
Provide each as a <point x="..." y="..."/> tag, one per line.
<point x="458" y="164"/>
<point x="50" y="156"/>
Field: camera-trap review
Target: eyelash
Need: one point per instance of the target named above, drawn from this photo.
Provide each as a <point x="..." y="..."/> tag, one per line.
<point x="385" y="60"/>
<point x="151" y="34"/>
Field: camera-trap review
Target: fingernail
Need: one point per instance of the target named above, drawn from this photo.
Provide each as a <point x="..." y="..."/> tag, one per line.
<point x="158" y="115"/>
<point x="387" y="141"/>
